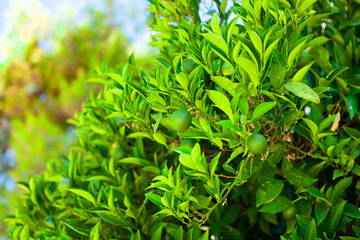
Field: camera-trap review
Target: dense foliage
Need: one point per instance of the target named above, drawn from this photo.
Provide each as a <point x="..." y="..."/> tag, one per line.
<point x="143" y="168"/>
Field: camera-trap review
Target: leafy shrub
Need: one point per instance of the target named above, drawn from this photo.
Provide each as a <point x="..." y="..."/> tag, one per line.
<point x="132" y="175"/>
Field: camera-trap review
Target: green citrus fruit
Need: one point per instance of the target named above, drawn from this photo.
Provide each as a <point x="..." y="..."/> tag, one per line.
<point x="187" y="142"/>
<point x="180" y="120"/>
<point x="257" y="143"/>
<point x="227" y="69"/>
<point x="289" y="213"/>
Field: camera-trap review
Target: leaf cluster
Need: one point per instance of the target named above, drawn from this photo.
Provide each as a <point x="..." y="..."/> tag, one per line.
<point x="129" y="177"/>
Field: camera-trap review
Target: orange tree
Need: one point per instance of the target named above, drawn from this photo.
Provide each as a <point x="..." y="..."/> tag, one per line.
<point x="179" y="152"/>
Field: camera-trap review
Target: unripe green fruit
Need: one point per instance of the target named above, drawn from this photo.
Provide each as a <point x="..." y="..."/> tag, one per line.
<point x="227" y="69"/>
<point x="257" y="143"/>
<point x="64" y="184"/>
<point x="180" y="120"/>
<point x="187" y="142"/>
<point x="289" y="213"/>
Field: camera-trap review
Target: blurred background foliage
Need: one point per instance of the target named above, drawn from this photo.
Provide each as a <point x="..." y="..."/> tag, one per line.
<point x="41" y="87"/>
<point x="42" y="90"/>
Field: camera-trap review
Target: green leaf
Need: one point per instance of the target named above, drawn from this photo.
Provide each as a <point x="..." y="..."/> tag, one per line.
<point x="225" y="83"/>
<point x="262" y="109"/>
<point x="316" y="193"/>
<point x="138" y="236"/>
<point x="277" y="75"/>
<point x="95" y="233"/>
<point x="96" y="80"/>
<point x="160" y="138"/>
<point x="229" y="124"/>
<point x="342" y="58"/>
<point x="213" y="164"/>
<point x="110" y="217"/>
<point x="248" y="168"/>
<point x="256" y="40"/>
<point x="311" y="232"/>
<point x="165" y="211"/>
<point x="229" y="169"/>
<point x="313" y="127"/>
<point x="352" y="132"/>
<point x="321" y="211"/>
<point x="163" y="61"/>
<point x="299" y="178"/>
<point x="33" y="192"/>
<point x="205" y="236"/>
<point x="221" y="101"/>
<point x="73" y="228"/>
<point x="269" y="191"/>
<point x="135" y="161"/>
<point x="336" y="72"/>
<point x="267" y="173"/>
<point x="339" y="146"/>
<point x="155" y="199"/>
<point x="337" y="173"/>
<point x="182" y="79"/>
<point x="302" y="90"/>
<point x="193" y="134"/>
<point x="324" y="123"/>
<point x="118" y="78"/>
<point x="215" y="25"/>
<point x="250" y="68"/>
<point x="230" y="27"/>
<point x="249" y="47"/>
<point x="24" y="234"/>
<point x="295" y="53"/>
<point x="270" y="49"/>
<point x="332" y="224"/>
<point x="179" y="234"/>
<point x="218" y="41"/>
<point x="83" y="194"/>
<point x="156" y="232"/>
<point x="351" y="210"/>
<point x="356" y="231"/>
<point x="111" y="203"/>
<point x="243" y="105"/>
<point x="137" y="89"/>
<point x="276" y="206"/>
<point x="303" y="220"/>
<point x="352" y="105"/>
<point x="299" y="76"/>
<point x="305" y="5"/>
<point x="339" y="188"/>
